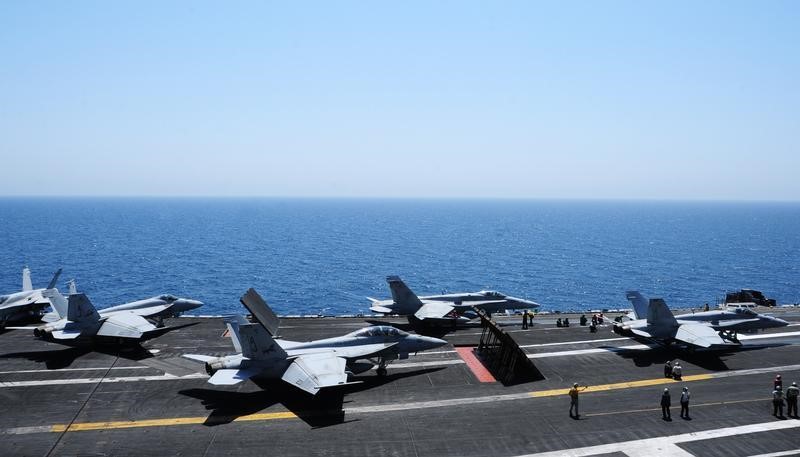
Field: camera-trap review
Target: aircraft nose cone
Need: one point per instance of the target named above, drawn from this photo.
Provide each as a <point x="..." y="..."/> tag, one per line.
<point x="188" y="304"/>
<point x="430" y="342"/>
<point x="527" y="303"/>
<point x="780" y="322"/>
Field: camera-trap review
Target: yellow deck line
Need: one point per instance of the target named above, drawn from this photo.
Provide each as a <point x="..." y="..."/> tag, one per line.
<point x="85" y="426"/>
<point x="622" y="385"/>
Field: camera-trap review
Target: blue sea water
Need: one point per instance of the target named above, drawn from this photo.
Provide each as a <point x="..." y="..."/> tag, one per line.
<point x="309" y="256"/>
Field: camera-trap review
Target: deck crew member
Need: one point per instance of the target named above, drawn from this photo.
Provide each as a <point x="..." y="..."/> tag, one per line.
<point x="777" y="402"/>
<point x="668" y="369"/>
<point x="791" y="399"/>
<point x="583" y="320"/>
<point x="685" y="403"/>
<point x="666" y="402"/>
<point x="677" y="371"/>
<point x="573" y="399"/>
<point x="524" y="320"/>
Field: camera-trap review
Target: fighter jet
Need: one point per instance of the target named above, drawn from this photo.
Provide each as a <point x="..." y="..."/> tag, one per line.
<point x="662" y="328"/>
<point x="26" y="304"/>
<point x="727" y="323"/>
<point x="444" y="309"/>
<point x="155" y="308"/>
<point x="79" y="322"/>
<point x="309" y="366"/>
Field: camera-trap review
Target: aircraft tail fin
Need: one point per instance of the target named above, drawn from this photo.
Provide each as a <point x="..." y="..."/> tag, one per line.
<point x="73" y="287"/>
<point x="233" y="323"/>
<point x="57" y="301"/>
<point x="403" y="297"/>
<point x="256" y="342"/>
<point x="639" y="302"/>
<point x="52" y="283"/>
<point x="27" y="285"/>
<point x="79" y="308"/>
<point x="658" y="313"/>
<point x="261" y="311"/>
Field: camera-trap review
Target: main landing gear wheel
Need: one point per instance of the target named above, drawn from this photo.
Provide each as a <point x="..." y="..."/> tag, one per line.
<point x="381" y="371"/>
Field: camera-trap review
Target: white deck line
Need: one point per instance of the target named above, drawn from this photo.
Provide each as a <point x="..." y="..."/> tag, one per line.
<point x="666" y="445"/>
<point x="59" y="370"/>
<point x="52" y="382"/>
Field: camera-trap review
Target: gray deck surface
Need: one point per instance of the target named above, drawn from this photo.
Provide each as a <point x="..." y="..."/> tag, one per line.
<point x="429" y="405"/>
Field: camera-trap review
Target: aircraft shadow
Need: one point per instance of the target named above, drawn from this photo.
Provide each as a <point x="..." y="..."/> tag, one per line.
<point x="711" y="360"/>
<point x="63" y="358"/>
<point x="321" y="410"/>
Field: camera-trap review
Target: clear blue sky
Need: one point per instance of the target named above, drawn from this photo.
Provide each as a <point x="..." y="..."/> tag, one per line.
<point x="591" y="99"/>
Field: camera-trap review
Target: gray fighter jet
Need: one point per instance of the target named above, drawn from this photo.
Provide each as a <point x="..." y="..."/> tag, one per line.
<point x="309" y="366"/>
<point x="79" y="322"/>
<point x="444" y="309"/>
<point x="156" y="308"/>
<point x="26" y="304"/>
<point x="727" y="323"/>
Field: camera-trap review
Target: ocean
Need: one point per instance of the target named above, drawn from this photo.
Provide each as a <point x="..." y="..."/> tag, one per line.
<point x="324" y="256"/>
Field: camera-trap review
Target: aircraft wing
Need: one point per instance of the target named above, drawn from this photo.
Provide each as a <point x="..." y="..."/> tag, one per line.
<point x="125" y="325"/>
<point x="150" y="311"/>
<point x="363" y="351"/>
<point x="733" y="322"/>
<point x="468" y="305"/>
<point x="699" y="335"/>
<point x="433" y="311"/>
<point x="312" y="372"/>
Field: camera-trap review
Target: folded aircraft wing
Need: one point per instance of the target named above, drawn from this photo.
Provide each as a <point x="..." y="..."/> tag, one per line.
<point x="125" y="325"/>
<point x="433" y="311"/>
<point x="312" y="372"/>
<point x="699" y="335"/>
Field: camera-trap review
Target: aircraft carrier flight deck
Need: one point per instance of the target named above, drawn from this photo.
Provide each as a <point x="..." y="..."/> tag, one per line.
<point x="61" y="401"/>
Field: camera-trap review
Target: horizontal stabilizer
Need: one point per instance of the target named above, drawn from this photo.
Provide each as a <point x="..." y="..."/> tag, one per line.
<point x="260" y="310"/>
<point x="699" y="335"/>
<point x="230" y="377"/>
<point x="66" y="334"/>
<point x="641" y="333"/>
<point x="315" y="371"/>
<point x="200" y="357"/>
<point x="381" y="309"/>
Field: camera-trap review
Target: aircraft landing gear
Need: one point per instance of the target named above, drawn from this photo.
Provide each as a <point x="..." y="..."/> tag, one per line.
<point x="382" y="362"/>
<point x="729" y="335"/>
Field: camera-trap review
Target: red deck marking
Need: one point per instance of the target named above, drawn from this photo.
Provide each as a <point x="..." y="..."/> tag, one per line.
<point x="474" y="364"/>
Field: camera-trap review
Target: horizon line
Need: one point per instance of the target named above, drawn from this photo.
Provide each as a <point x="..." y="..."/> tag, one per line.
<point x="401" y="198"/>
